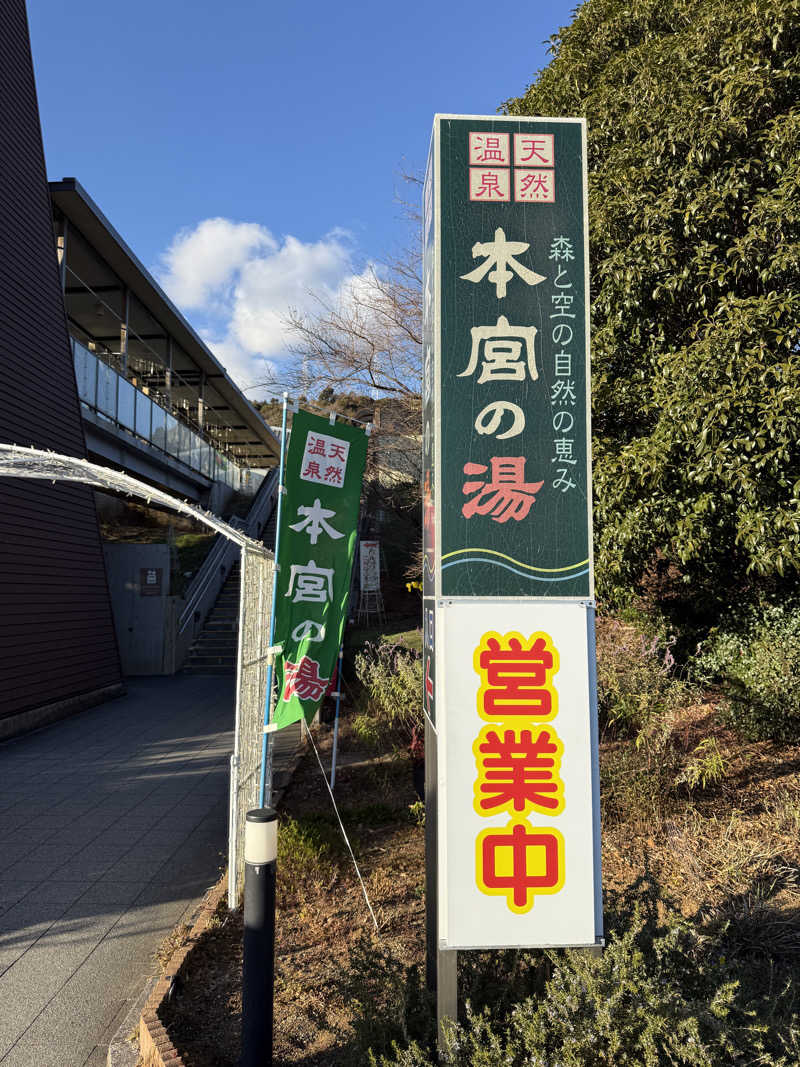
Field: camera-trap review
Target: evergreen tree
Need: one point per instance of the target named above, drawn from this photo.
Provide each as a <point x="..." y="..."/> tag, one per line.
<point x="694" y="207"/>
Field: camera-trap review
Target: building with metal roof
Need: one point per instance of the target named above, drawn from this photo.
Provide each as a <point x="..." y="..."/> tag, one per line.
<point x="154" y="398"/>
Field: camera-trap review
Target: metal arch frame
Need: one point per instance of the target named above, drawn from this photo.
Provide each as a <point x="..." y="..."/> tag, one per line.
<point x="17" y="461"/>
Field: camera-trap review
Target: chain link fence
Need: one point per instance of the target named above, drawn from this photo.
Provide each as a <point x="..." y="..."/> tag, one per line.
<point x="255" y="604"/>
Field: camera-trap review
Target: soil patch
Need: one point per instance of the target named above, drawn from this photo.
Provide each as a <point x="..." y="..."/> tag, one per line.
<point x="321" y="911"/>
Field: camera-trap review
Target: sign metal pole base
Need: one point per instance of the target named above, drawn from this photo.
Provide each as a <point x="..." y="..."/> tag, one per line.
<point x="441" y="966"/>
<point x="446" y="992"/>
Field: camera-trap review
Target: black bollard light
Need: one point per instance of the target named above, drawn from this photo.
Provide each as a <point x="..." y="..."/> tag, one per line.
<point x="258" y="969"/>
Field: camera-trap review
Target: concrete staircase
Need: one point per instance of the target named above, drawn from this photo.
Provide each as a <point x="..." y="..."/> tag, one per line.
<point x="214" y="651"/>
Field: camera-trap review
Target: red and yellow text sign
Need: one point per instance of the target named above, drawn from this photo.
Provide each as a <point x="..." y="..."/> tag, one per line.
<point x="518" y="842"/>
<point x="518" y="768"/>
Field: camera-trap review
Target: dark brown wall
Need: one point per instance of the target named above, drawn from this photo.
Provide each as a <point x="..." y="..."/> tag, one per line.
<point x="56" y="630"/>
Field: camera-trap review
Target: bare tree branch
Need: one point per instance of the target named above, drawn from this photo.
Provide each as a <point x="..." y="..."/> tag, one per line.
<point x="369" y="341"/>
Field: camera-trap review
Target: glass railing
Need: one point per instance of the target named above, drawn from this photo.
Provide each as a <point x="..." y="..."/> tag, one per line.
<point x="113" y="397"/>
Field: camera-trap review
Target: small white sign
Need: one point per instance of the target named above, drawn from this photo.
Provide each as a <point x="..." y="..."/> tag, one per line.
<point x="370" y="566"/>
<point x="324" y="459"/>
<point x="518" y="862"/>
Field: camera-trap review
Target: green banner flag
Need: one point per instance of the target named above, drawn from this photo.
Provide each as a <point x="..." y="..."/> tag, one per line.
<point x="318" y="531"/>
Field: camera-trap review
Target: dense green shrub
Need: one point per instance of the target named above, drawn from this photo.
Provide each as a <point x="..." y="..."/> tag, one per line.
<point x="694" y="214"/>
<point x="391" y="676"/>
<point x="756" y="657"/>
<point x="661" y="994"/>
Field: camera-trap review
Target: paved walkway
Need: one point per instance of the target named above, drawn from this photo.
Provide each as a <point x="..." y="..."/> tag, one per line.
<point x="112" y="826"/>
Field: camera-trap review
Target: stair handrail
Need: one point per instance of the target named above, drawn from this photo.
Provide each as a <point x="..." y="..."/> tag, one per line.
<point x="223" y="552"/>
<point x="215" y="561"/>
<point x="263" y="504"/>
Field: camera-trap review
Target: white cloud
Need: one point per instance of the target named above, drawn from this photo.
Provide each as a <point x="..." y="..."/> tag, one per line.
<point x="200" y="264"/>
<point x="237" y="284"/>
<point x="245" y="368"/>
<point x="270" y="285"/>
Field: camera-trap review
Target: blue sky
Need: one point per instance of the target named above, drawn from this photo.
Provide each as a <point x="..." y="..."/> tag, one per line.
<point x="250" y="153"/>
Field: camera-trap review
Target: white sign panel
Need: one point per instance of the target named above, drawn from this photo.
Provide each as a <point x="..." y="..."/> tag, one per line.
<point x="370" y="566"/>
<point x="324" y="459"/>
<point x="518" y="845"/>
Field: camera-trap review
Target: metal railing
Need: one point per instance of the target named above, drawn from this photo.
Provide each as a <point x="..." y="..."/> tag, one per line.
<point x="109" y="394"/>
<point x="166" y="375"/>
<point x="215" y="568"/>
<point x="208" y="581"/>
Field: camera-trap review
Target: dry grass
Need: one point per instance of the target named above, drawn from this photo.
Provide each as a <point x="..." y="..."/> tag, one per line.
<point x="321" y="911"/>
<point x="730" y="849"/>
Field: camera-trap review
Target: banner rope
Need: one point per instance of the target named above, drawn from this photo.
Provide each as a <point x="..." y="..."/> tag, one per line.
<point x="341" y="827"/>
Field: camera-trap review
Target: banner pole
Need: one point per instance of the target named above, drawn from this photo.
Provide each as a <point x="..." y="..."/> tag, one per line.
<point x="266" y="748"/>
<point x="341" y="645"/>
<point x="336" y="720"/>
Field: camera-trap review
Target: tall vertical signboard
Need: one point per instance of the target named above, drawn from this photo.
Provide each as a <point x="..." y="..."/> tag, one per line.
<point x="507" y="558"/>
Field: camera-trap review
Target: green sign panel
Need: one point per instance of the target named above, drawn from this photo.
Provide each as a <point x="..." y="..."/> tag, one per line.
<point x="507" y="498"/>
<point x="428" y="445"/>
<point x="319" y="521"/>
<point x="428" y="380"/>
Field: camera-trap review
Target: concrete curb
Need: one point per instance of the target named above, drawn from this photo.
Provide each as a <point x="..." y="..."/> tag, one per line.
<point x="27" y="721"/>
<point x="124" y="1048"/>
<point x="155" y="1046"/>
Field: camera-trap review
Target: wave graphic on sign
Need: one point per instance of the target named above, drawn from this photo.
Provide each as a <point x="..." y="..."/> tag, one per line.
<point x="535" y="574"/>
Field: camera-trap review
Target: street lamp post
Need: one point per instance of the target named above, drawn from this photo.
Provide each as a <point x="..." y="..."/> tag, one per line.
<point x="258" y="970"/>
